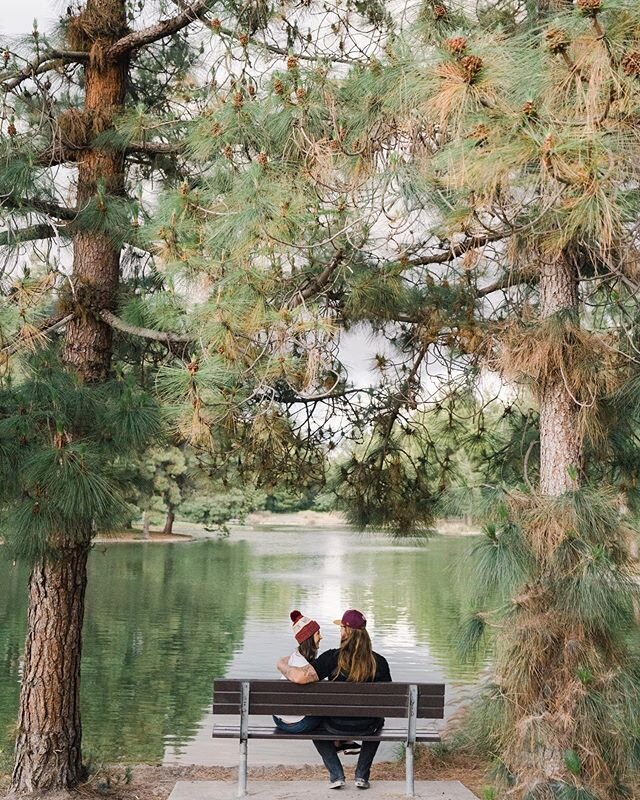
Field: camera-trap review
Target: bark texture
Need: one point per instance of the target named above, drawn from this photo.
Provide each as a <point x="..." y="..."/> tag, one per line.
<point x="560" y="441"/>
<point x="96" y="258"/>
<point x="48" y="746"/>
<point x="168" y="523"/>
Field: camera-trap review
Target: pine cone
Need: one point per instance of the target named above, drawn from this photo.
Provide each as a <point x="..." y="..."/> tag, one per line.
<point x="529" y="109"/>
<point x="300" y="93"/>
<point x="11" y="130"/>
<point x="471" y="66"/>
<point x="228" y="152"/>
<point x="631" y="64"/>
<point x="215" y="24"/>
<point x="480" y="133"/>
<point x="262" y="159"/>
<point x="440" y="11"/>
<point x="278" y="87"/>
<point x="588" y="8"/>
<point x="243" y="39"/>
<point x="292" y="63"/>
<point x="238" y="99"/>
<point x="557" y="40"/>
<point x="456" y="45"/>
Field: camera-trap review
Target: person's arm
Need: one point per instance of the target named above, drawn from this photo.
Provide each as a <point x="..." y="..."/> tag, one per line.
<point x="297" y="674"/>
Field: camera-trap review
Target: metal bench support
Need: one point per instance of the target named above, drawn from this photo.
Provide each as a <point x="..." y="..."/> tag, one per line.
<point x="412" y="713"/>
<point x="244" y="735"/>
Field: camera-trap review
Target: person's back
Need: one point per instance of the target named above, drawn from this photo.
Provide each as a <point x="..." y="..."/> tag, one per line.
<point x="355" y="663"/>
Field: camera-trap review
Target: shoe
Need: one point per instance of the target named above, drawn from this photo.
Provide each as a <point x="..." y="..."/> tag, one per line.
<point x="337" y="784"/>
<point x="362" y="784"/>
<point x="348" y="748"/>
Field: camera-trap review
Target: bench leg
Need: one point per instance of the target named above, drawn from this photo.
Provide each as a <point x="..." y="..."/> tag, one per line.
<point x="242" y="769"/>
<point x="409" y="769"/>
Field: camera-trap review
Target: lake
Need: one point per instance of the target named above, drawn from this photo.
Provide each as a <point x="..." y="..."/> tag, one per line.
<point x="163" y="619"/>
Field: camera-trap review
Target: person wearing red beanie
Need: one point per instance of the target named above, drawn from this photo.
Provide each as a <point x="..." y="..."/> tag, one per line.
<point x="307" y="633"/>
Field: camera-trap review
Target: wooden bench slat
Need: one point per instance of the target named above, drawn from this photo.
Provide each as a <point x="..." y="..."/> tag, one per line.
<point x="332" y="698"/>
<point x="325" y="710"/>
<point x="341" y="687"/>
<point x="265" y="732"/>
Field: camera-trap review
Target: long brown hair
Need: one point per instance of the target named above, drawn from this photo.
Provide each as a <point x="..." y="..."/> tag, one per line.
<point x="308" y="649"/>
<point x="356" y="659"/>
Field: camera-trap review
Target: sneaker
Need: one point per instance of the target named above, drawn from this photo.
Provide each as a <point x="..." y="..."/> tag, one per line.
<point x="337" y="784"/>
<point x="348" y="748"/>
<point x="362" y="784"/>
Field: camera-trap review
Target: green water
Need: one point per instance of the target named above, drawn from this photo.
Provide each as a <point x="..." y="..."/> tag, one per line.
<point x="163" y="620"/>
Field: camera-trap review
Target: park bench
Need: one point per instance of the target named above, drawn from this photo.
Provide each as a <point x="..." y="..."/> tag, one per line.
<point x="394" y="701"/>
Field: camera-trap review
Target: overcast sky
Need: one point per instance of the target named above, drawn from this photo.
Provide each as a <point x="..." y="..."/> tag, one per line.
<point x="17" y="15"/>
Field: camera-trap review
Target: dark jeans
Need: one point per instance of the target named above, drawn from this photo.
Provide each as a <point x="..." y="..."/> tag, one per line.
<point x="327" y="750"/>
<point x="304" y="725"/>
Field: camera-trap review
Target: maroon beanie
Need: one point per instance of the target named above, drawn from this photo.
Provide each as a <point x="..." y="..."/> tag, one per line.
<point x="303" y="627"/>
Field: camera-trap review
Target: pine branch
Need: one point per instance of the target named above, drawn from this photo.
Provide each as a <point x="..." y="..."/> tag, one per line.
<point x="166" y="27"/>
<point x="30" y="234"/>
<point x="455" y="251"/>
<point x="317" y="284"/>
<point x="68" y="215"/>
<point x="508" y="281"/>
<point x="44" y="62"/>
<point x="145" y="333"/>
<point x="48" y="326"/>
<point x="281" y="51"/>
<point x="27" y="204"/>
<point x="156" y="148"/>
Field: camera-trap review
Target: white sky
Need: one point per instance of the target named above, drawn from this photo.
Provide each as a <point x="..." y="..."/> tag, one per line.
<point x="16" y="16"/>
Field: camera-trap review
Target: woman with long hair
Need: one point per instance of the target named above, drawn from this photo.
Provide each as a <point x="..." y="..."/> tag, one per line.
<point x="353" y="661"/>
<point x="307" y="634"/>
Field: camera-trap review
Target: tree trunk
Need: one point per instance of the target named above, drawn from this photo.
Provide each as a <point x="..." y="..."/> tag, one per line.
<point x="48" y="752"/>
<point x="146" y="528"/>
<point x="560" y="442"/>
<point x="48" y="748"/>
<point x="168" y="524"/>
<point x="560" y="467"/>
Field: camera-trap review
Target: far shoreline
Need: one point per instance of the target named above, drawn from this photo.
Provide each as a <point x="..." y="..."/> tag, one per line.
<point x="186" y="532"/>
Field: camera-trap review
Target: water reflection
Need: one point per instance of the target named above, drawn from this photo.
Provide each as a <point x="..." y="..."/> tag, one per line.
<point x="163" y="620"/>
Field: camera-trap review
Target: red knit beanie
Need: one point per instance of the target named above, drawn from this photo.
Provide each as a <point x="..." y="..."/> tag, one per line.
<point x="303" y="627"/>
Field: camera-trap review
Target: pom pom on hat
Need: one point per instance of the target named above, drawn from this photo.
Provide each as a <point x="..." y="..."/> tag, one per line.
<point x="303" y="627"/>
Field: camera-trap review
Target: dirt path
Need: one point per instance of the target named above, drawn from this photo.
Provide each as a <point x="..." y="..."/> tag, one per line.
<point x="145" y="782"/>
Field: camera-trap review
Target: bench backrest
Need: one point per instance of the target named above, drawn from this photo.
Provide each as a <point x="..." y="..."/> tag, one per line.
<point x="328" y="698"/>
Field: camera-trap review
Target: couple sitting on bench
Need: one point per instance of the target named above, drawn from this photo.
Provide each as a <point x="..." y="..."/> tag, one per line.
<point x="353" y="661"/>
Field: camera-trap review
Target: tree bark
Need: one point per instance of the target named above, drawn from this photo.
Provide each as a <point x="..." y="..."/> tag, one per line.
<point x="560" y="441"/>
<point x="168" y="524"/>
<point x="48" y="747"/>
<point x="96" y="259"/>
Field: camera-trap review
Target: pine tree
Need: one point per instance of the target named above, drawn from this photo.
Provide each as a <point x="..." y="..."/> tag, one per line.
<point x="79" y="109"/>
<point x="467" y="189"/>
